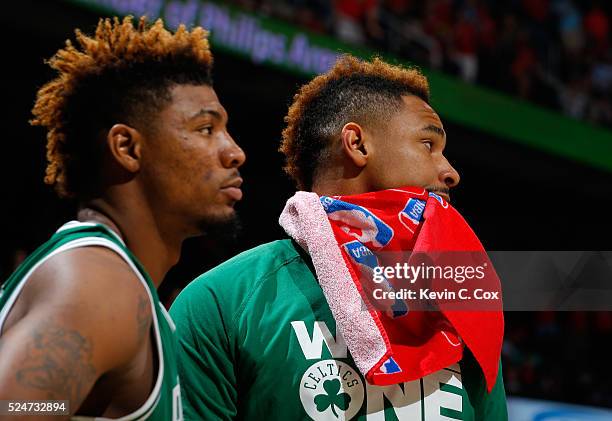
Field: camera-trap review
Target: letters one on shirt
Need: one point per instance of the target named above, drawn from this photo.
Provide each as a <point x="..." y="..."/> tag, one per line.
<point x="333" y="389"/>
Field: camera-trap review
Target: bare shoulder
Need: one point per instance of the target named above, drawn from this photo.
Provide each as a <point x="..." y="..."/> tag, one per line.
<point x="86" y="271"/>
<point x="84" y="313"/>
<point x="95" y="290"/>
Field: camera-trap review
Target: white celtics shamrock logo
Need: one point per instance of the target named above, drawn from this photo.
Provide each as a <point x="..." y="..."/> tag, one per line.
<point x="331" y="390"/>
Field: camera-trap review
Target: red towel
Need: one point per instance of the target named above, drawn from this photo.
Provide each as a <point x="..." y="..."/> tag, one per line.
<point x="407" y="225"/>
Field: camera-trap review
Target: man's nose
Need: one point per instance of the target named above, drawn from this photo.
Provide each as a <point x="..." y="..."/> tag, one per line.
<point x="232" y="156"/>
<point x="448" y="174"/>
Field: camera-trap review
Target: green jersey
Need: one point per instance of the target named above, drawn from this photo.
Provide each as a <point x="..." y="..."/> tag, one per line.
<point x="257" y="340"/>
<point x="164" y="402"/>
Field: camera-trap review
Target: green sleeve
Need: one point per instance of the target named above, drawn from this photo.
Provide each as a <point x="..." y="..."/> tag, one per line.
<point x="205" y="357"/>
<point x="493" y="405"/>
<point x="487" y="406"/>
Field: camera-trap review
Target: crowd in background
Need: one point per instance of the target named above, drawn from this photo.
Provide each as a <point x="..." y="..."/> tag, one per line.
<point x="555" y="53"/>
<point x="559" y="356"/>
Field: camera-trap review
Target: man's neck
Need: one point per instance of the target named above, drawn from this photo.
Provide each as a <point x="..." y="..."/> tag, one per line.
<point x="156" y="249"/>
<point x="340" y="187"/>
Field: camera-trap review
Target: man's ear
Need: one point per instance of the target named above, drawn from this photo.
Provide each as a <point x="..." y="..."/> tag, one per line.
<point x="353" y="144"/>
<point x="125" y="145"/>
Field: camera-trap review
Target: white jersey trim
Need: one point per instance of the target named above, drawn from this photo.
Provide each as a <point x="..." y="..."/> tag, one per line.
<point x="75" y="224"/>
<point x="149" y="406"/>
<point x="167" y="317"/>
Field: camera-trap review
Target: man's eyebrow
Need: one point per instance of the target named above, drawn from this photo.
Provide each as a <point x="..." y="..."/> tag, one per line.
<point x="435" y="129"/>
<point x="204" y="111"/>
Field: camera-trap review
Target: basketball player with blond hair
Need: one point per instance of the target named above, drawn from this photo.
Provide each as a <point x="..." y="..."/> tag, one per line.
<point x="137" y="136"/>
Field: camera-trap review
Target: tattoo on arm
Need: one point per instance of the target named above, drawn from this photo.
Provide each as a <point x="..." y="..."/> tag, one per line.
<point x="143" y="316"/>
<point x="59" y="362"/>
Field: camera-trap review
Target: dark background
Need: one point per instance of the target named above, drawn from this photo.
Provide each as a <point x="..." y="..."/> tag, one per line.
<point x="515" y="198"/>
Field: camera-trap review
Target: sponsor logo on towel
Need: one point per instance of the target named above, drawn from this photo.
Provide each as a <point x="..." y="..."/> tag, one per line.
<point x="390" y="367"/>
<point x="367" y="261"/>
<point x="364" y="225"/>
<point x="362" y="255"/>
<point x="439" y="199"/>
<point x="413" y="211"/>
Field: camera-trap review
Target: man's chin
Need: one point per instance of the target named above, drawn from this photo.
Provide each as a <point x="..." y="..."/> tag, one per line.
<point x="221" y="227"/>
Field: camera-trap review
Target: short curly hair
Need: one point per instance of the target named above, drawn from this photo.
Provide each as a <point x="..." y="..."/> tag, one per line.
<point x="365" y="92"/>
<point x="121" y="74"/>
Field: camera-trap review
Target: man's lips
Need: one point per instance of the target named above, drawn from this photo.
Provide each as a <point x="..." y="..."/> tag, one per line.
<point x="233" y="192"/>
<point x="232" y="189"/>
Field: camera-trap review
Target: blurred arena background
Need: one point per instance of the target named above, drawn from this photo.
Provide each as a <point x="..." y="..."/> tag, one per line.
<point x="524" y="89"/>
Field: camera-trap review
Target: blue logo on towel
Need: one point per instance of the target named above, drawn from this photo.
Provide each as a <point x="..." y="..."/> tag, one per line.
<point x="439" y="199"/>
<point x="390" y="367"/>
<point x="361" y="254"/>
<point x="413" y="211"/>
<point x="367" y="261"/>
<point x="373" y="229"/>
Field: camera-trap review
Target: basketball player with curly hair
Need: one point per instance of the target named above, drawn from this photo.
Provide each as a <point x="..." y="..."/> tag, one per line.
<point x="137" y="136"/>
<point x="287" y="330"/>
